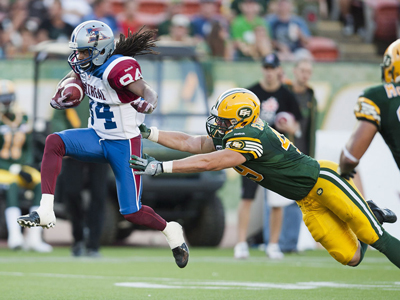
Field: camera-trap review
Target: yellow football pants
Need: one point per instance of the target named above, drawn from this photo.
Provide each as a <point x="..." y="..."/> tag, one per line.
<point x="8" y="178"/>
<point x="337" y="215"/>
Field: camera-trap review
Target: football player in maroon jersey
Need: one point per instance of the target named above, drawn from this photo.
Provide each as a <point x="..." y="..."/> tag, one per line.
<point x="119" y="98"/>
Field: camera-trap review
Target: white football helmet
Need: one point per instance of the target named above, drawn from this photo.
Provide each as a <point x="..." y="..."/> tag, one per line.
<point x="95" y="36"/>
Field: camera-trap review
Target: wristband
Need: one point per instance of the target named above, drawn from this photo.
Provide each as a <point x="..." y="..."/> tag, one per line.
<point x="153" y="136"/>
<point x="167" y="166"/>
<point x="349" y="155"/>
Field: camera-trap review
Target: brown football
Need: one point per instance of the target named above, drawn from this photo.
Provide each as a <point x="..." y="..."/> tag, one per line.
<point x="75" y="87"/>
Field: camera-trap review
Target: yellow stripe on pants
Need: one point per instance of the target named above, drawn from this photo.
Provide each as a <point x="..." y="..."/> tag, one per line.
<point x="333" y="218"/>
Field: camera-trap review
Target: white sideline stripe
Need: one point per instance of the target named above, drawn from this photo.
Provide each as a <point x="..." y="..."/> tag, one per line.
<point x="225" y="285"/>
<point x="216" y="286"/>
<point x="176" y="283"/>
<point x="366" y="210"/>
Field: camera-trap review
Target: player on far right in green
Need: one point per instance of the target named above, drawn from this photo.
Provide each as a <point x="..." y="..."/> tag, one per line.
<point x="333" y="209"/>
<point x="377" y="109"/>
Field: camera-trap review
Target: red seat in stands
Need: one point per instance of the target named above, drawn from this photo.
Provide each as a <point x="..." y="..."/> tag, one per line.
<point x="381" y="19"/>
<point x="323" y="49"/>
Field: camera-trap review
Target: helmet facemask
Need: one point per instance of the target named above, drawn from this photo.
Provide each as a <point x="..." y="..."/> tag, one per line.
<point x="217" y="127"/>
<point x="83" y="65"/>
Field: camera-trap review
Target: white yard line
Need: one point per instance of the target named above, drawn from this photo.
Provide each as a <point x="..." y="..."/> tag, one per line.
<point x="174" y="283"/>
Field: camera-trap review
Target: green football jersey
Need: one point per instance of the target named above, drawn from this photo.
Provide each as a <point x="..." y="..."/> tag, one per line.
<point x="25" y="158"/>
<point x="380" y="105"/>
<point x="272" y="160"/>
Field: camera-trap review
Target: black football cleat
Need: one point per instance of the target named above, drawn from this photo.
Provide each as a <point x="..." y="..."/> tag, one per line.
<point x="34" y="220"/>
<point x="181" y="254"/>
<point x="383" y="215"/>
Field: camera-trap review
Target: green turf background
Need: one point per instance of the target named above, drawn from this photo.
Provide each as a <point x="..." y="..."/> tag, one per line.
<point x="210" y="274"/>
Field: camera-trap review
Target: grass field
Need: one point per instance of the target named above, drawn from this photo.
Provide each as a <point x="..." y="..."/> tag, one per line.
<point x="151" y="273"/>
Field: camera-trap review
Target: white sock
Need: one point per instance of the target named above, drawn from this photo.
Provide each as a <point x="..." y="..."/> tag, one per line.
<point x="12" y="213"/>
<point x="174" y="234"/>
<point x="34" y="235"/>
<point x="47" y="202"/>
<point x="34" y="241"/>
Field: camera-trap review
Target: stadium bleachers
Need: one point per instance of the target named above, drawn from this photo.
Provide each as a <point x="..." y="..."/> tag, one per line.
<point x="381" y="19"/>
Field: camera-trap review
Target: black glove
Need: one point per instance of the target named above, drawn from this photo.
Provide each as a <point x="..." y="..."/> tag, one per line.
<point x="144" y="130"/>
<point x="349" y="174"/>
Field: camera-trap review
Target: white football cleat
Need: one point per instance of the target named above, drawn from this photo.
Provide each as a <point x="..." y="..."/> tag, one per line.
<point x="174" y="234"/>
<point x="15" y="241"/>
<point x="34" y="241"/>
<point x="241" y="251"/>
<point x="274" y="252"/>
<point x="43" y="218"/>
<point x="40" y="246"/>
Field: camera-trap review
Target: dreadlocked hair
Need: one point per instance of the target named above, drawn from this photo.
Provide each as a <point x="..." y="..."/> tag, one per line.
<point x="138" y="43"/>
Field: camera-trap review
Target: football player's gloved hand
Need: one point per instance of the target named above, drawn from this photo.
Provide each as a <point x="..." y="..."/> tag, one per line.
<point x="147" y="165"/>
<point x="58" y="101"/>
<point x="348" y="175"/>
<point x="142" y="106"/>
<point x="144" y="130"/>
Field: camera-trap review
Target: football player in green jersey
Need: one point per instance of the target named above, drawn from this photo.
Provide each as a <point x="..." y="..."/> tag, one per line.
<point x="16" y="174"/>
<point x="377" y="109"/>
<point x="333" y="209"/>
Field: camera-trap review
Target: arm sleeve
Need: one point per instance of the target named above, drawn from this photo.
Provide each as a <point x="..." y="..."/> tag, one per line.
<point x="250" y="148"/>
<point x="367" y="110"/>
<point x="124" y="73"/>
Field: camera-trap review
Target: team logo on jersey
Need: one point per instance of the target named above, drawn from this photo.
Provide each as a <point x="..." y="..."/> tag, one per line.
<point x="245" y="112"/>
<point x="367" y="109"/>
<point x="237" y="145"/>
<point x="96" y="34"/>
<point x="320" y="191"/>
<point x="94" y="92"/>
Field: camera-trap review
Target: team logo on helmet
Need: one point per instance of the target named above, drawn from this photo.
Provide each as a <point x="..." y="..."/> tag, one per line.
<point x="96" y="34"/>
<point x="387" y="60"/>
<point x="245" y="112"/>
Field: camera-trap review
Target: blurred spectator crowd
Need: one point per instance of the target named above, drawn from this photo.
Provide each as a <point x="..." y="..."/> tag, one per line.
<point x="224" y="29"/>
